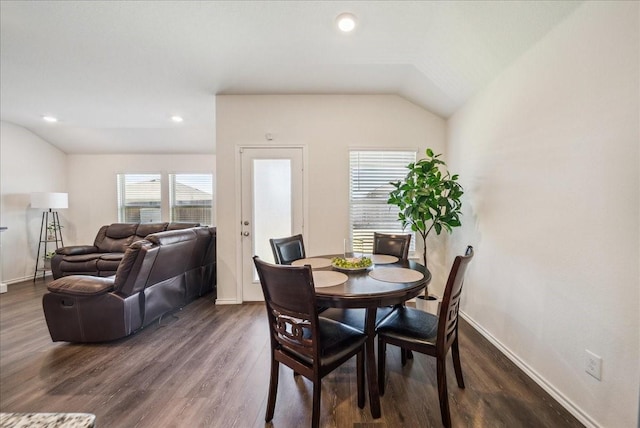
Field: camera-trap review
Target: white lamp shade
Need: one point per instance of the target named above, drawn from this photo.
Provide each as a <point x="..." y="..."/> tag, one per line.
<point x="49" y="200"/>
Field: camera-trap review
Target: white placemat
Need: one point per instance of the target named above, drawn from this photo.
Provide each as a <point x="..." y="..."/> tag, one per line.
<point x="383" y="259"/>
<point x="316" y="263"/>
<point x="394" y="274"/>
<point x="328" y="278"/>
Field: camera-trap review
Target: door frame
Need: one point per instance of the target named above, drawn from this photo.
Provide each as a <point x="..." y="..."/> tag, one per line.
<point x="238" y="204"/>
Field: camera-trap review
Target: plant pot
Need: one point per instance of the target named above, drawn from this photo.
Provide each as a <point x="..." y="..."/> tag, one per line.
<point x="430" y="304"/>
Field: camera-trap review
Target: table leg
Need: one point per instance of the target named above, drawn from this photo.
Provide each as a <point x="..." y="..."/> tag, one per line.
<point x="370" y="357"/>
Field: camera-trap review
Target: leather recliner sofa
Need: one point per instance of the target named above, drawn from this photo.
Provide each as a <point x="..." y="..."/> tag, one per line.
<point x="103" y="257"/>
<point x="156" y="276"/>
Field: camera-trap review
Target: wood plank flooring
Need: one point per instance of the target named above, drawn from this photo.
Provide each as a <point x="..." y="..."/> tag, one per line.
<point x="208" y="366"/>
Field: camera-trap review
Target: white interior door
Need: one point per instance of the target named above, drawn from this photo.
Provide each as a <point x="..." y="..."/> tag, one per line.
<point x="272" y="206"/>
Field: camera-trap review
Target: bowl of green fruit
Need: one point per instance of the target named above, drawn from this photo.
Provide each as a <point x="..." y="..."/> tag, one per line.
<point x="351" y="264"/>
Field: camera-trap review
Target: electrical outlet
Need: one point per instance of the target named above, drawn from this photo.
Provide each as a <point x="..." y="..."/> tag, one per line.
<point x="593" y="364"/>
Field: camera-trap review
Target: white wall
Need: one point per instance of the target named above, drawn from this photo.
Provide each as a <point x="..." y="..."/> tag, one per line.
<point x="548" y="154"/>
<point x="327" y="126"/>
<point x="27" y="164"/>
<point x="93" y="199"/>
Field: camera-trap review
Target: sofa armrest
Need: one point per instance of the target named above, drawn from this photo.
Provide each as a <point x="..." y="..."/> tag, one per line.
<point x="75" y="250"/>
<point x="81" y="285"/>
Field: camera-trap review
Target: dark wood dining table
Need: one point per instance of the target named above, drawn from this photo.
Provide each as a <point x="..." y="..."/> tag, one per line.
<point x="362" y="291"/>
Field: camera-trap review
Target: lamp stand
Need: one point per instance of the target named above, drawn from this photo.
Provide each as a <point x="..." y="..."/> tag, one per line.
<point x="45" y="239"/>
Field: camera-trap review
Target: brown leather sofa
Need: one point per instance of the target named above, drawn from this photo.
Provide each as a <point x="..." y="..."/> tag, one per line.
<point x="103" y="257"/>
<point x="157" y="275"/>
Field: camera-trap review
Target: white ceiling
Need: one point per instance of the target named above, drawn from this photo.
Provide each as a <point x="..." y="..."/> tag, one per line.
<point x="114" y="72"/>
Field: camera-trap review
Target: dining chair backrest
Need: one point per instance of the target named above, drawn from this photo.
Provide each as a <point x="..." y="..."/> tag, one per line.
<point x="290" y="299"/>
<point x="392" y="244"/>
<point x="448" y="319"/>
<point x="311" y="346"/>
<point x="287" y="250"/>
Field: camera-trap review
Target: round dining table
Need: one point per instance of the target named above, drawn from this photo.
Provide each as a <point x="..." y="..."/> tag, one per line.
<point x="389" y="281"/>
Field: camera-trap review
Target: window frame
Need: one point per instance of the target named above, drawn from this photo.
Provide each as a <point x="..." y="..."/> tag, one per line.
<point x="165" y="204"/>
<point x="171" y="197"/>
<point x="121" y="185"/>
<point x="361" y="238"/>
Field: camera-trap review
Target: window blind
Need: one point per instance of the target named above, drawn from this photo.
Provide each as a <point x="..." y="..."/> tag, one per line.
<point x="191" y="198"/>
<point x="370" y="174"/>
<point x="139" y="198"/>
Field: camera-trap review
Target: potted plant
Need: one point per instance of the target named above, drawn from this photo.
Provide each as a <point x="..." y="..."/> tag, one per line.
<point x="52" y="230"/>
<point x="47" y="259"/>
<point x="428" y="199"/>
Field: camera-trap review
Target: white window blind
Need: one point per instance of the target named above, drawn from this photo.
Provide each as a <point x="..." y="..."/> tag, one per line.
<point x="191" y="198"/>
<point x="139" y="198"/>
<point x="370" y="174"/>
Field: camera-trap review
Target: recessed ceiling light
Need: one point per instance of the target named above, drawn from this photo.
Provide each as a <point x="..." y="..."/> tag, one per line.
<point x="50" y="119"/>
<point x="177" y="119"/>
<point x="346" y="22"/>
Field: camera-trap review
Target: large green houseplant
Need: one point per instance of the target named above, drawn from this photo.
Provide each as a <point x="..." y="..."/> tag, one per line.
<point x="428" y="199"/>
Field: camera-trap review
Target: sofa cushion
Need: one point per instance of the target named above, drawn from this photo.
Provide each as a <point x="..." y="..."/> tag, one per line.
<point x="79" y="258"/>
<point x="145" y="229"/>
<point x="171" y="237"/>
<point x="179" y="225"/>
<point x="110" y="245"/>
<point x="121" y="230"/>
<point x="83" y="264"/>
<point x="77" y="249"/>
<point x="80" y="285"/>
<point x="116" y="237"/>
<point x="133" y="271"/>
<point x="111" y="256"/>
<point x="114" y="242"/>
<point x="108" y="263"/>
<point x="175" y="249"/>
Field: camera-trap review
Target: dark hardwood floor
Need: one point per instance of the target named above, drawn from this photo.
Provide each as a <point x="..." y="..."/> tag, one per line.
<point x="209" y="367"/>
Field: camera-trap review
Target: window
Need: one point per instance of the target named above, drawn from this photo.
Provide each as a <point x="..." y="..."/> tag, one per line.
<point x="370" y="174"/>
<point x="191" y="198"/>
<point x="146" y="198"/>
<point x="139" y="198"/>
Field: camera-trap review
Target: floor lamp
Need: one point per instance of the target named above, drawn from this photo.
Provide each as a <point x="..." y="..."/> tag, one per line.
<point x="49" y="201"/>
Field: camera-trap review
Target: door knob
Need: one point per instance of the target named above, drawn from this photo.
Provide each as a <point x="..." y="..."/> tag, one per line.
<point x="245" y="234"/>
<point x="246" y="223"/>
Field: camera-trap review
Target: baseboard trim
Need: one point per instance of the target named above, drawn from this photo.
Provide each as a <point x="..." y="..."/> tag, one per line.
<point x="3" y="287"/>
<point x="25" y="278"/>
<point x="235" y="302"/>
<point x="220" y="301"/>
<point x="565" y="402"/>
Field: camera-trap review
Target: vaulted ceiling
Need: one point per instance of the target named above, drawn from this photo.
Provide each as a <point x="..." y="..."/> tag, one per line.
<point x="114" y="72"/>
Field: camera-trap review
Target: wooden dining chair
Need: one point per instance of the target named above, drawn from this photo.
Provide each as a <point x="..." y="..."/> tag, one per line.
<point x="428" y="334"/>
<point x="287" y="250"/>
<point x="392" y="244"/>
<point x="311" y="346"/>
